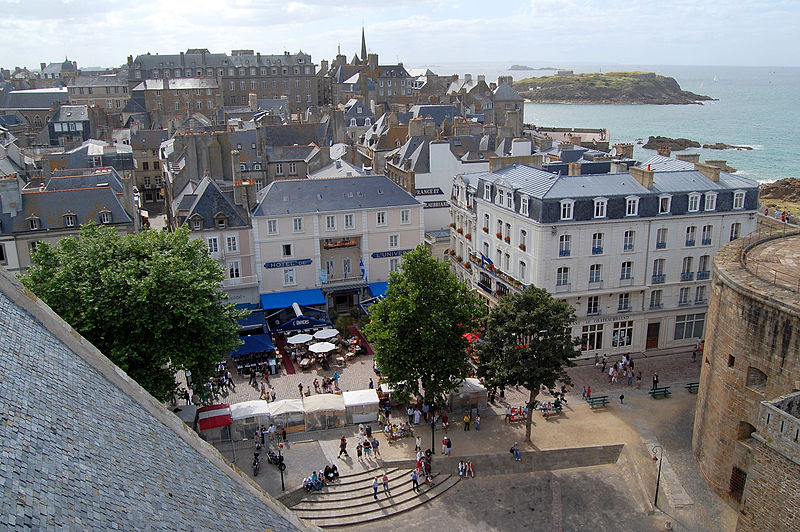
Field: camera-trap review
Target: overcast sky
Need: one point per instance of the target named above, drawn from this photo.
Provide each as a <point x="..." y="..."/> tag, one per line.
<point x="536" y="32"/>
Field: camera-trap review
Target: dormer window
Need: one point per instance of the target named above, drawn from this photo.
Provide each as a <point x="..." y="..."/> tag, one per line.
<point x="664" y="203"/>
<point x="566" y="209"/>
<point x="499" y="198"/>
<point x="33" y="223"/>
<point x="600" y="207"/>
<point x="197" y="225"/>
<point x="632" y="206"/>
<point x="220" y="223"/>
<point x="69" y="220"/>
<point x="487" y="191"/>
<point x="523" y="207"/>
<point x="711" y="201"/>
<point x="105" y="217"/>
<point x="738" y="200"/>
<point x="694" y="202"/>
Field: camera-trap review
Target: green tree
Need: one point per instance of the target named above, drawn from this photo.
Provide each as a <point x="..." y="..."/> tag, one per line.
<point x="528" y="343"/>
<point x="417" y="329"/>
<point x="150" y="301"/>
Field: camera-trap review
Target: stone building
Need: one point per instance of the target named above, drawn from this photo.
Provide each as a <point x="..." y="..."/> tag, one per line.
<point x="148" y="176"/>
<point x="752" y="353"/>
<point x="772" y="494"/>
<point x="179" y="97"/>
<point x="108" y="90"/>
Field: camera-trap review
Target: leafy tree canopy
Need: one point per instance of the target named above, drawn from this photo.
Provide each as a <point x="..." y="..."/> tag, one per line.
<point x="528" y="343"/>
<point x="150" y="301"/>
<point x="417" y="330"/>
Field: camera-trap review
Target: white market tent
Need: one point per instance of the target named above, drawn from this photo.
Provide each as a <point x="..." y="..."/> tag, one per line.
<point x="288" y="413"/>
<point x="470" y="395"/>
<point x="247" y="416"/>
<point x="361" y="406"/>
<point x="324" y="411"/>
<point x="325" y="334"/>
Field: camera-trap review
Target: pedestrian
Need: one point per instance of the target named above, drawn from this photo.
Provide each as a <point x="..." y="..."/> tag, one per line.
<point x="385" y="480"/>
<point x="583" y="393"/>
<point x="375" y="488"/>
<point x="655" y="380"/>
<point x="588" y="393"/>
<point x="263" y="390"/>
<point x="515" y="451"/>
<point x="630" y="377"/>
<point x="230" y="381"/>
<point x="316" y="386"/>
<point x="694" y="355"/>
<point x="461" y="469"/>
<point x="621" y="398"/>
<point x="417" y="415"/>
<point x="418" y="443"/>
<point x="336" y="380"/>
<point x="477" y="422"/>
<point x="263" y="434"/>
<point x="444" y="446"/>
<point x="252" y="381"/>
<point x="367" y="449"/>
<point x="508" y="414"/>
<point x="444" y="422"/>
<point x="343" y="447"/>
<point x="283" y="434"/>
<point x="425" y="410"/>
<point x="371" y="384"/>
<point x="375" y="448"/>
<point x="300" y="387"/>
<point x="359" y="450"/>
<point x="415" y="481"/>
<point x="596" y="360"/>
<point x="605" y="362"/>
<point x="466" y="422"/>
<point x="410" y="413"/>
<point x="449" y="445"/>
<point x="272" y="395"/>
<point x="639" y="379"/>
<point x="469" y="470"/>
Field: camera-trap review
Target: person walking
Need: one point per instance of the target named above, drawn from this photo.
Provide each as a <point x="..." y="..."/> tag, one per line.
<point x="415" y="481"/>
<point x="508" y="414"/>
<point x="418" y="443"/>
<point x="444" y="422"/>
<point x="515" y="451"/>
<point x="385" y="480"/>
<point x="417" y="415"/>
<point x="300" y="387"/>
<point x="466" y="422"/>
<point x="655" y="380"/>
<point x="477" y="422"/>
<point x="639" y="379"/>
<point x="449" y="445"/>
<point x="375" y="448"/>
<point x="359" y="450"/>
<point x="343" y="447"/>
<point x="583" y="393"/>
<point x="410" y="413"/>
<point x="588" y="393"/>
<point x="444" y="446"/>
<point x="375" y="488"/>
<point x="371" y="384"/>
<point x="469" y="470"/>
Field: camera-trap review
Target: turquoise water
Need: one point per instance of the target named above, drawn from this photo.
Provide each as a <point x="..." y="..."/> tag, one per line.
<point x="755" y="107"/>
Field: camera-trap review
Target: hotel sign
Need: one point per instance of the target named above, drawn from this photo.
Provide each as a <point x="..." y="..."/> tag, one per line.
<point x="436" y="204"/>
<point x="393" y="253"/>
<point x="287" y="263"/>
<point x="433" y="191"/>
<point x="624" y="317"/>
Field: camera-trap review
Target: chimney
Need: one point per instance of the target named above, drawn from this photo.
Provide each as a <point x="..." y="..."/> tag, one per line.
<point x="252" y="101"/>
<point x="183" y="60"/>
<point x="711" y="172"/>
<point x="323" y="66"/>
<point x="43" y="65"/>
<point x="482" y="77"/>
<point x="722" y="165"/>
<point x="574" y="169"/>
<point x="372" y="62"/>
<point x="130" y="61"/>
<point x="416" y="127"/>
<point x="645" y="177"/>
<point x="236" y="171"/>
<point x="467" y="77"/>
<point x="689" y="157"/>
<point x="258" y="58"/>
<point x="11" y="194"/>
<point x="664" y="151"/>
<point x="128" y="201"/>
<point x="618" y="168"/>
<point x="624" y="150"/>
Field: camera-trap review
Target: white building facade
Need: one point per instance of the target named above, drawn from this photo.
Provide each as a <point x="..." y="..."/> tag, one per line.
<point x="630" y="252"/>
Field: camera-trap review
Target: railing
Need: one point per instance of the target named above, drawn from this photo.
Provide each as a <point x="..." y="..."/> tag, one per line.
<point x="239" y="281"/>
<point x="659" y="278"/>
<point x="563" y="253"/>
<point x="661" y="245"/>
<point x="687" y="276"/>
<point x="484" y="288"/>
<point x="564" y="287"/>
<point x="689" y="243"/>
<point x="703" y="275"/>
<point x="706" y="241"/>
<point x="590" y="312"/>
<point x="768" y="229"/>
<point x="594" y="285"/>
<point x="597" y="250"/>
<point x="683" y="302"/>
<point x="656" y="306"/>
<point x="626" y="281"/>
<point x="701" y="301"/>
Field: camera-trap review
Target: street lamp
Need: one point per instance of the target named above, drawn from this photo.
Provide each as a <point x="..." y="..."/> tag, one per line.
<point x="433" y="434"/>
<point x="660" y="459"/>
<point x="280" y="464"/>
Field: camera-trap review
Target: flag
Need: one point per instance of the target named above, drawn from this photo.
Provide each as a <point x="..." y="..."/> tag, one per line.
<point x="486" y="261"/>
<point x="363" y="269"/>
<point x="214" y="416"/>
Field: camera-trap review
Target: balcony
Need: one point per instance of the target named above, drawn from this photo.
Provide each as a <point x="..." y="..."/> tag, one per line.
<point x="687" y="276"/>
<point x="706" y="241"/>
<point x="565" y="287"/>
<point x="627" y="247"/>
<point x="563" y="253"/>
<point x="344" y="282"/>
<point x="597" y="250"/>
<point x="592" y="312"/>
<point x="661" y="245"/>
<point x="683" y="302"/>
<point x="623" y="308"/>
<point x="659" y="278"/>
<point x="240" y="282"/>
<point x="485" y="288"/>
<point x="701" y="301"/>
<point x="626" y="281"/>
<point x="703" y="275"/>
<point x="595" y="285"/>
<point x="656" y="306"/>
<point x="689" y="243"/>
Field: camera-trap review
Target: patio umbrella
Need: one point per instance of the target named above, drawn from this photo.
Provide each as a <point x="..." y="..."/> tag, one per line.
<point x="324" y="334"/>
<point x="299" y="339"/>
<point x="322" y="347"/>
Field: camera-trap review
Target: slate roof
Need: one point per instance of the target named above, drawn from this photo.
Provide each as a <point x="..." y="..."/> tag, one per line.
<point x="34" y="98"/>
<point x="299" y="196"/>
<point x="76" y="178"/>
<point x="104" y="80"/>
<point x="504" y="91"/>
<point x="193" y="59"/>
<point x="338" y="168"/>
<point x="72" y="113"/>
<point x="177" y="84"/>
<point x="659" y="163"/>
<point x="206" y="200"/>
<point x="318" y="133"/>
<point x="417" y="151"/>
<point x="245" y="138"/>
<point x="105" y="455"/>
<point x="437" y="112"/>
<point x="148" y="139"/>
<point x="291" y="153"/>
<point x="391" y="71"/>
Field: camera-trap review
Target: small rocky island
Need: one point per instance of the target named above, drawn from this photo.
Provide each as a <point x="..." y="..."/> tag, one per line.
<point x="679" y="144"/>
<point x="608" y="88"/>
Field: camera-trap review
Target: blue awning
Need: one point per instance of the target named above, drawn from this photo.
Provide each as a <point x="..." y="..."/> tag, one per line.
<point x="299" y="323"/>
<point x="253" y="320"/>
<point x="257" y="343"/>
<point x="378" y="289"/>
<point x="314" y="296"/>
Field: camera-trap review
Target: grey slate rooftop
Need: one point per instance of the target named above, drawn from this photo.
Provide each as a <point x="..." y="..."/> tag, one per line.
<point x="86" y="448"/>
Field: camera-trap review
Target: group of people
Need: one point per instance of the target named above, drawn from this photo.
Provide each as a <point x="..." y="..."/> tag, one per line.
<point x="551" y="408"/>
<point x="328" y="385"/>
<point x="393" y="431"/>
<point x="621" y="369"/>
<point x="317" y="479"/>
<point x="784" y="216"/>
<point x="423" y="469"/>
<point x="269" y="434"/>
<point x="465" y="469"/>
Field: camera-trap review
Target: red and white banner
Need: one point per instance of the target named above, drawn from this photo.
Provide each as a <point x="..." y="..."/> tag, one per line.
<point x="214" y="416"/>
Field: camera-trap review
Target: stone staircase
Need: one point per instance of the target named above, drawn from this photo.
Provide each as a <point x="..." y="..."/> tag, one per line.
<point x="349" y="500"/>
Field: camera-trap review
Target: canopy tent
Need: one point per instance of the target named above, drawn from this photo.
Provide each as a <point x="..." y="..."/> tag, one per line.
<point x="299" y="339"/>
<point x="361" y="405"/>
<point x="288" y="413"/>
<point x="325" y="334"/>
<point x="256" y="343"/>
<point x="299" y="323"/>
<point x="470" y="395"/>
<point x="296" y="317"/>
<point x="321" y="347"/>
<point x="279" y="300"/>
<point x="247" y="417"/>
<point x="324" y="411"/>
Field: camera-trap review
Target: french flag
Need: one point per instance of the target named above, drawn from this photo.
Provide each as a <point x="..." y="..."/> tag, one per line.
<point x="214" y="416"/>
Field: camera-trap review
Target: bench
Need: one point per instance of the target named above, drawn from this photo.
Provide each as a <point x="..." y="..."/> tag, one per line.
<point x="692" y="387"/>
<point x="600" y="400"/>
<point x="659" y="392"/>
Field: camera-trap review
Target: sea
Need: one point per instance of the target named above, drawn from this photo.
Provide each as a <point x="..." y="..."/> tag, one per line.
<point x="754" y="106"/>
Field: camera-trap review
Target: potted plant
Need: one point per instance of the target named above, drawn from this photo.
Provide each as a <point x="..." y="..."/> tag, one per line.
<point x="468" y="236"/>
<point x="460" y="230"/>
<point x="522" y="247"/>
<point x="459" y="259"/>
<point x="469" y="206"/>
<point x="452" y="224"/>
<point x="508" y="239"/>
<point x="453" y="196"/>
<point x="499" y="235"/>
<point x="485" y="229"/>
<point x="452" y="252"/>
<point x="468" y="265"/>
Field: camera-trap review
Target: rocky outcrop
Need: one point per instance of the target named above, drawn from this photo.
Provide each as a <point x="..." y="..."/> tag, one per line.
<point x="786" y="190"/>
<point x="613" y="87"/>
<point x="654" y="143"/>
<point x="723" y="146"/>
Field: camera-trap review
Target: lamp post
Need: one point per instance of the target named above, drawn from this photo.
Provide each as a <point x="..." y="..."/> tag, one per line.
<point x="280" y="463"/>
<point x="433" y="434"/>
<point x="660" y="459"/>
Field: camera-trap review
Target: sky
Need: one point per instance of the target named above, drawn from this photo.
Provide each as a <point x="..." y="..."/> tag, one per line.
<point x="416" y="32"/>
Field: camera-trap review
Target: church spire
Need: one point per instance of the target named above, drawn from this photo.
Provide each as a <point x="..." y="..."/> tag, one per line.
<point x="363" y="46"/>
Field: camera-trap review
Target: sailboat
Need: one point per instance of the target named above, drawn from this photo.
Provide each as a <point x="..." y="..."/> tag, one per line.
<point x="715" y="78"/>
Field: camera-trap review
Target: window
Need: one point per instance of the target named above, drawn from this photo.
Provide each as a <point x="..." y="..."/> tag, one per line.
<point x="700" y="295"/>
<point x="731" y="361"/>
<point x="292" y="168"/>
<point x="595" y="271"/>
<point x="509" y="200"/>
<point x="367" y="121"/>
<point x="707" y="232"/>
<point x="33" y="223"/>
<point x="289" y="277"/>
<point x="353" y="122"/>
<point x="232" y="244"/>
<point x="631" y="206"/>
<point x="624" y="302"/>
<point x="330" y="222"/>
<point x="523" y="206"/>
<point x="711" y="201"/>
<point x="689" y="326"/>
<point x="592" y="337"/>
<point x="736" y="228"/>
<point x="380" y="218"/>
<point x="655" y="299"/>
<point x="622" y="334"/>
<point x="487" y="192"/>
<point x="658" y="271"/>
<point x="272" y="227"/>
<point x="686" y="270"/>
<point x="756" y="378"/>
<point x="566" y="209"/>
<point x="564" y="245"/>
<point x="349" y="221"/>
<point x="592" y="305"/>
<point x="499" y="229"/>
<point x="394" y="264"/>
<point x="405" y="216"/>
<point x="664" y="203"/>
<point x="683" y="298"/>
<point x="145" y="166"/>
<point x="694" y="202"/>
<point x="3" y="259"/>
<point x="297" y="225"/>
<point x="393" y="239"/>
<point x="486" y="222"/>
<point x="600" y="208"/>
<point x="597" y="243"/>
<point x="279" y="169"/>
<point x="702" y="267"/>
<point x="691" y="233"/>
<point x="499" y="198"/>
<point x="523" y="239"/>
<point x="197" y="225"/>
<point x="286" y="250"/>
<point x="626" y="271"/>
<point x="105" y="217"/>
<point x="661" y="238"/>
<point x="69" y="220"/>
<point x="220" y="223"/>
<point x="213" y="244"/>
<point x="507" y="232"/>
<point x="628" y="240"/>
<point x="522" y="270"/>
<point x="738" y="200"/>
<point x="562" y="276"/>
<point x="233" y="269"/>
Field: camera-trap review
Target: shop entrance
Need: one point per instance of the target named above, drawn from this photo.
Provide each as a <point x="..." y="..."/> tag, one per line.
<point x="652" y="335"/>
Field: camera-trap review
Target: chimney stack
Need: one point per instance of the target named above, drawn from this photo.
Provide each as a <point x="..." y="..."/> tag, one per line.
<point x="252" y="101"/>
<point x="664" y="151"/>
<point x="574" y="169"/>
<point x="711" y="172"/>
<point x="690" y="157"/>
<point x="645" y="177"/>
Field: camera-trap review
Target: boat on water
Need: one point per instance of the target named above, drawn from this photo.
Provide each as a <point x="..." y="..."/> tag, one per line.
<point x="639" y="141"/>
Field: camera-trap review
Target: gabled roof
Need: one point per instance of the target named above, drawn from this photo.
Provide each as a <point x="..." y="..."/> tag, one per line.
<point x="659" y="163"/>
<point x="338" y="168"/>
<point x="148" y="139"/>
<point x="72" y="113"/>
<point x="437" y="112"/>
<point x="34" y="98"/>
<point x="504" y="91"/>
<point x="291" y="153"/>
<point x="207" y="200"/>
<point x="299" y="196"/>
